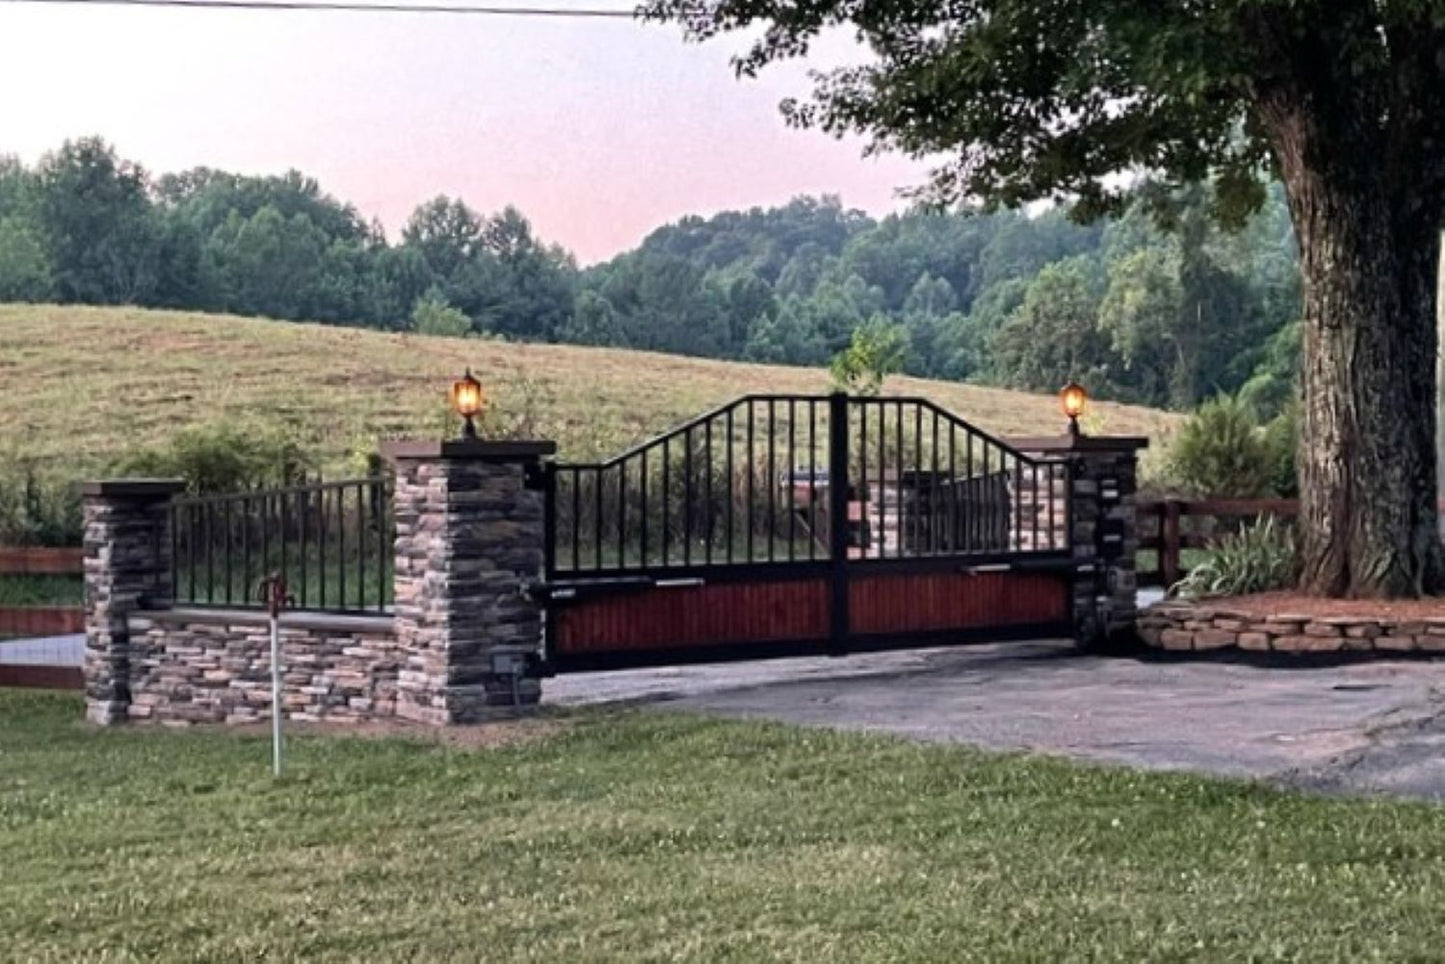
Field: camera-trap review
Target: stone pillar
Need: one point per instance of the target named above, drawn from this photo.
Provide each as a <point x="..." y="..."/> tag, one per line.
<point x="1102" y="530"/>
<point x="469" y="544"/>
<point x="127" y="567"/>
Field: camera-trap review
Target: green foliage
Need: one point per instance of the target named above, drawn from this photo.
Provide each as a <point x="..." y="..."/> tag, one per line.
<point x="431" y="315"/>
<point x="225" y="457"/>
<point x="1275" y="380"/>
<point x="594" y="322"/>
<point x="94" y="212"/>
<point x="33" y="590"/>
<point x="1053" y="338"/>
<point x="1258" y="558"/>
<point x="1143" y="315"/>
<point x="520" y="407"/>
<point x="1281" y="440"/>
<point x="1221" y="452"/>
<point x="24" y="264"/>
<point x="266" y="264"/>
<point x="445" y="232"/>
<point x="1028" y="99"/>
<point x="1137" y="314"/>
<point x="36" y="511"/>
<point x="876" y="350"/>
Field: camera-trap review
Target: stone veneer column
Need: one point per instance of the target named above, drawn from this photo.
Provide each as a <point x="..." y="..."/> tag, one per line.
<point x="1103" y="528"/>
<point x="127" y="564"/>
<point x="469" y="543"/>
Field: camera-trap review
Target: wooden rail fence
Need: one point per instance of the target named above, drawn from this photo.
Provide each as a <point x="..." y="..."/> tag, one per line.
<point x="1180" y="524"/>
<point x="40" y="620"/>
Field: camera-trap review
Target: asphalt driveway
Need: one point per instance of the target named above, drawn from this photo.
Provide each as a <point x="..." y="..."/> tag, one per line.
<point x="1359" y="727"/>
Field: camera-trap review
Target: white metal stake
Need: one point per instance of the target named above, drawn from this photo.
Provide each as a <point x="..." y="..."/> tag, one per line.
<point x="273" y="593"/>
<point x="275" y="693"/>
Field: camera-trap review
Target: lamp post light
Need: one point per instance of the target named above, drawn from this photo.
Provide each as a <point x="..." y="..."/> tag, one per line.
<point x="1073" y="399"/>
<point x="467" y="401"/>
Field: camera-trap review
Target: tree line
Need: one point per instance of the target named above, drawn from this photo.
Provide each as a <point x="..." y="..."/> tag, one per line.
<point x="1159" y="309"/>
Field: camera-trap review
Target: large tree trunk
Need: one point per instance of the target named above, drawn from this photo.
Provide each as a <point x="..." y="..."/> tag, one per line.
<point x="1361" y="151"/>
<point x="1367" y="457"/>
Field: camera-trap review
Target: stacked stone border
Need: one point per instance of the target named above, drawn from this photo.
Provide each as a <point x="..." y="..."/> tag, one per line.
<point x="1184" y="626"/>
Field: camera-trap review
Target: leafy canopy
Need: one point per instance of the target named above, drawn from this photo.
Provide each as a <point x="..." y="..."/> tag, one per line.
<point x="1030" y="99"/>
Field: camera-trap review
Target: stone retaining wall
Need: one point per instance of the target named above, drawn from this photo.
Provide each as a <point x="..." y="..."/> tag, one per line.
<point x="208" y="666"/>
<point x="1184" y="626"/>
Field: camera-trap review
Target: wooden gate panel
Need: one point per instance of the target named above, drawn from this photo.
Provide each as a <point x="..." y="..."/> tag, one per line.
<point x="685" y="617"/>
<point x="926" y="602"/>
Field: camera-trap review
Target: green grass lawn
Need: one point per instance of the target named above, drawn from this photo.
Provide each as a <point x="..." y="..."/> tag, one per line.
<point x="642" y="836"/>
<point x="33" y="590"/>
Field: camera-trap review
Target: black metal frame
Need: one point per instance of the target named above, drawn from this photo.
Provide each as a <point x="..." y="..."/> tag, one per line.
<point x="343" y="531"/>
<point x="962" y="515"/>
<point x="658" y="510"/>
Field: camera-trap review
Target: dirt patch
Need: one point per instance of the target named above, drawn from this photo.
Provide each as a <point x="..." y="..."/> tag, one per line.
<point x="483" y="736"/>
<point x="1290" y="603"/>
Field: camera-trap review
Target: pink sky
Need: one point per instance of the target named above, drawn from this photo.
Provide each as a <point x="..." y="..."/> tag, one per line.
<point x="598" y="130"/>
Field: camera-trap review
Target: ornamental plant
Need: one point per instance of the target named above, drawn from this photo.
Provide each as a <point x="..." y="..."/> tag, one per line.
<point x="1258" y="558"/>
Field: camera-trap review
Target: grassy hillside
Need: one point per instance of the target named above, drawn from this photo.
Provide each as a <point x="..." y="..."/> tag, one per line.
<point x="82" y="385"/>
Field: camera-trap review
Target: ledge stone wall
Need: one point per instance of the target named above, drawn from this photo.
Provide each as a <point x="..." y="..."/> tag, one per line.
<point x="127" y="546"/>
<point x="469" y="544"/>
<point x="195" y="666"/>
<point x="1197" y="626"/>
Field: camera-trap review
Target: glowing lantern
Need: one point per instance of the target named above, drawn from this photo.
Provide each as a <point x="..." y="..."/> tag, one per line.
<point x="1074" y="400"/>
<point x="467" y="401"/>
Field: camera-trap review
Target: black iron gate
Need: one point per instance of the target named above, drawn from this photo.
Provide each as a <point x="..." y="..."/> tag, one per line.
<point x="792" y="524"/>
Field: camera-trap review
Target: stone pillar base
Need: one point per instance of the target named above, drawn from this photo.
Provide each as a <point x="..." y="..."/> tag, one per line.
<point x="469" y="546"/>
<point x="1102" y="529"/>
<point x="127" y="561"/>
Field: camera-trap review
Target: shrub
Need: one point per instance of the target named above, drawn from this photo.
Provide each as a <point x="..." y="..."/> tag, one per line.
<point x="519" y="407"/>
<point x="876" y="350"/>
<point x="1281" y="439"/>
<point x="38" y="512"/>
<point x="1258" y="558"/>
<point x="432" y="315"/>
<point x="1221" y="452"/>
<point x="225" y="457"/>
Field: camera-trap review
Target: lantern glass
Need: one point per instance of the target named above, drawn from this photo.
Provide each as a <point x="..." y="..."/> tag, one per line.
<point x="466" y="395"/>
<point x="1073" y="400"/>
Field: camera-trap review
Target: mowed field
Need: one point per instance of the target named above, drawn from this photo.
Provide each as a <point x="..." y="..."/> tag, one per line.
<point x="83" y="385"/>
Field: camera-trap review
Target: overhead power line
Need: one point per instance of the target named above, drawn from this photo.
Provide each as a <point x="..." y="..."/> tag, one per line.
<point x="347" y="7"/>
